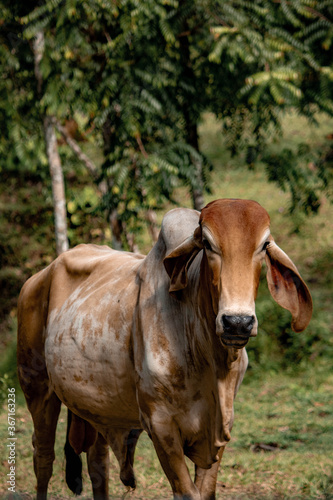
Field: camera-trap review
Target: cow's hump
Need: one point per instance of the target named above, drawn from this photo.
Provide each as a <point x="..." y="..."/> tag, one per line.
<point x="177" y="225"/>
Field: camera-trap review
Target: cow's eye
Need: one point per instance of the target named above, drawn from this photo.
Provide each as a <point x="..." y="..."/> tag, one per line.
<point x="265" y="245"/>
<point x="207" y="245"/>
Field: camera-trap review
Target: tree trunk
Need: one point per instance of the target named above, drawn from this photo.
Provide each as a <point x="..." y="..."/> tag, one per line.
<point x="191" y="123"/>
<point x="58" y="186"/>
<point x="57" y="178"/>
<point x="116" y="225"/>
<point x="116" y="230"/>
<point x="91" y="167"/>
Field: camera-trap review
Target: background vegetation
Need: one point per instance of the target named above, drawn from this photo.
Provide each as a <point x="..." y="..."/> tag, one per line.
<point x="159" y="103"/>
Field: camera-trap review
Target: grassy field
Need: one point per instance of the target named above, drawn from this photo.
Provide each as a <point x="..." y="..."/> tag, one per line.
<point x="282" y="439"/>
<point x="281" y="446"/>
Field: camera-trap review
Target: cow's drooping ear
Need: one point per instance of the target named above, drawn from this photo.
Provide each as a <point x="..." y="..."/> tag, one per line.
<point x="179" y="260"/>
<point x="287" y="287"/>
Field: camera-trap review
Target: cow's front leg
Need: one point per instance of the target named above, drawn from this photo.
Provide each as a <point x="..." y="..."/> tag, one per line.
<point x="205" y="479"/>
<point x="123" y="443"/>
<point x="169" y="448"/>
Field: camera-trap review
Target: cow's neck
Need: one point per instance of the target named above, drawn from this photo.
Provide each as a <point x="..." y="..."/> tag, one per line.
<point x="199" y="319"/>
<point x="209" y="353"/>
<point x="202" y="301"/>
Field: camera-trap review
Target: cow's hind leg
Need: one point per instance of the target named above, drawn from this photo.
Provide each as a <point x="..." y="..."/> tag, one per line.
<point x="127" y="472"/>
<point x="73" y="462"/>
<point x="42" y="402"/>
<point x="45" y="413"/>
<point x="205" y="479"/>
<point x="44" y="406"/>
<point x="98" y="466"/>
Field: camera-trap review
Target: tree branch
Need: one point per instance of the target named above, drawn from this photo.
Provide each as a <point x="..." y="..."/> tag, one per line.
<point x="91" y="167"/>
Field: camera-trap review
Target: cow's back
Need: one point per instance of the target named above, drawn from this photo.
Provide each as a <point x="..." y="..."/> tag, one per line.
<point x="78" y="314"/>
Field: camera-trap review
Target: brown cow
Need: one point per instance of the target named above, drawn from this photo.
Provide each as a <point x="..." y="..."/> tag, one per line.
<point x="129" y="342"/>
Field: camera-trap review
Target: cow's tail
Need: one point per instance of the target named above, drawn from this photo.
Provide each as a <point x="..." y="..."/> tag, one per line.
<point x="73" y="463"/>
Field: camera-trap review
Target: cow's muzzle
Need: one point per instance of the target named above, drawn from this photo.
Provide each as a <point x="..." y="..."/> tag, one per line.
<point x="236" y="330"/>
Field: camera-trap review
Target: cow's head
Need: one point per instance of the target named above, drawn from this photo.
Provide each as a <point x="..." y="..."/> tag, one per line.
<point x="236" y="239"/>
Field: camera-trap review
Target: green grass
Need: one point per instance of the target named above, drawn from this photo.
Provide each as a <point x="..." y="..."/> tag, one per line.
<point x="293" y="416"/>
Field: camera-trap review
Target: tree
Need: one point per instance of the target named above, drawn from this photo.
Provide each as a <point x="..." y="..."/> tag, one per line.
<point x="20" y="140"/>
<point x="139" y="75"/>
<point x="125" y="85"/>
<point x="21" y="63"/>
<point x="57" y="177"/>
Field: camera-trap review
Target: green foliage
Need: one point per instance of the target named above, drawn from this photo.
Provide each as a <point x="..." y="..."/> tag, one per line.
<point x="21" y="145"/>
<point x="120" y="66"/>
<point x="137" y="76"/>
<point x="295" y="171"/>
<point x="305" y="172"/>
<point x="283" y="48"/>
<point x="139" y="182"/>
<point x="277" y="346"/>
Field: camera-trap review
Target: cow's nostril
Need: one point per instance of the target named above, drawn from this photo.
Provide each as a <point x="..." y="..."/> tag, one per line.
<point x="248" y="322"/>
<point x="227" y="321"/>
<point x="237" y="324"/>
